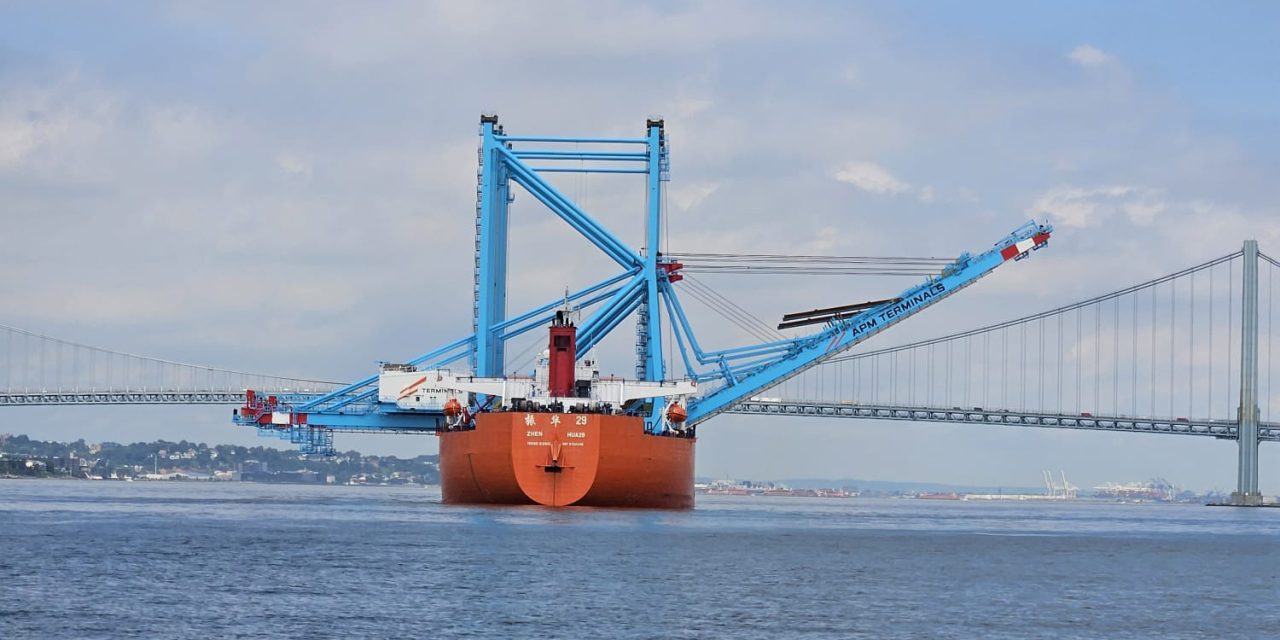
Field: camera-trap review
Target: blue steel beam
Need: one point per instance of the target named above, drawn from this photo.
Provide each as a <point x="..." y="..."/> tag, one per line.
<point x="586" y="170"/>
<point x="347" y="395"/>
<point x="545" y="312"/>
<point x="683" y="325"/>
<point x="570" y="140"/>
<point x="681" y="322"/>
<point x="355" y="386"/>
<point x="608" y="317"/>
<point x="667" y="299"/>
<point x="420" y="421"/>
<point x="371" y="394"/>
<point x="751" y="350"/>
<point x="491" y="247"/>
<point x="654" y="368"/>
<point x="525" y="176"/>
<point x="602" y="156"/>
<point x="541" y="321"/>
<point x="343" y="395"/>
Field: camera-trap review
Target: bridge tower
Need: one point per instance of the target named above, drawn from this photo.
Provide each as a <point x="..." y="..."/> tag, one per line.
<point x="1247" y="493"/>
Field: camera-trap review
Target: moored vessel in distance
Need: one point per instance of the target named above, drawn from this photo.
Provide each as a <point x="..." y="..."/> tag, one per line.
<point x="769" y="490"/>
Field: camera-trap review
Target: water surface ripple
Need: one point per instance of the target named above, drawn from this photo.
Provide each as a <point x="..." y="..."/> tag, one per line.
<point x="200" y="560"/>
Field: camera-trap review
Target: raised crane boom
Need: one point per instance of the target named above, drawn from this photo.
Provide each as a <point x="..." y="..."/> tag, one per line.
<point x="843" y="333"/>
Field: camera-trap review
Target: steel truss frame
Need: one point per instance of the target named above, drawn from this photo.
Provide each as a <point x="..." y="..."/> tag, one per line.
<point x="644" y="286"/>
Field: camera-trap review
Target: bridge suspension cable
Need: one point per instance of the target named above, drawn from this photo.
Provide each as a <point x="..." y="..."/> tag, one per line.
<point x="776" y="264"/>
<point x="38" y="365"/>
<point x="1163" y="349"/>
<point x="730" y="310"/>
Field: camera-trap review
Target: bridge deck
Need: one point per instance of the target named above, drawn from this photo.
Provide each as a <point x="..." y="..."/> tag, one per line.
<point x="1268" y="431"/>
<point x="46" y="398"/>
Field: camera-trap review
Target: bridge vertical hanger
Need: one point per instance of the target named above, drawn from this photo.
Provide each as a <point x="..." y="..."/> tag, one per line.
<point x="1247" y="493"/>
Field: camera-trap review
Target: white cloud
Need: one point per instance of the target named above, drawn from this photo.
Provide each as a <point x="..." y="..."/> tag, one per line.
<point x="186" y="131"/>
<point x="690" y="196"/>
<point x="874" y="178"/>
<point x="33" y="120"/>
<point x="828" y="240"/>
<point x="690" y="107"/>
<point x="293" y="165"/>
<point x="1143" y="212"/>
<point x="1088" y="56"/>
<point x="870" y="177"/>
<point x="1090" y="206"/>
<point x="851" y="74"/>
<point x="17" y="139"/>
<point x="385" y="33"/>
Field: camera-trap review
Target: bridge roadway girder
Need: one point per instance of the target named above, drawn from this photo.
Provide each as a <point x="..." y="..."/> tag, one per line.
<point x="1129" y="424"/>
<point x="337" y="423"/>
<point x="1267" y="431"/>
<point x="46" y="398"/>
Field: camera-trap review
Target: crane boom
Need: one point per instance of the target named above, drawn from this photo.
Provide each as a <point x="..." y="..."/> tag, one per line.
<point x="846" y="332"/>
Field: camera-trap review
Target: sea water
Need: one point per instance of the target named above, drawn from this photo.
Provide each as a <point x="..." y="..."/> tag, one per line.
<point x="82" y="559"/>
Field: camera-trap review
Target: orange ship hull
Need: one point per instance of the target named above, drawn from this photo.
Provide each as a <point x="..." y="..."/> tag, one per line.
<point x="563" y="459"/>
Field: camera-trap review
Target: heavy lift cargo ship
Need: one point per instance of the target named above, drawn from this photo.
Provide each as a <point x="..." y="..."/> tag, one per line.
<point x="563" y="440"/>
<point x="565" y="435"/>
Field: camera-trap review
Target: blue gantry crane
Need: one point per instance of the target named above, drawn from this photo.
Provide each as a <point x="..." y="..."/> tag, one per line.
<point x="645" y="286"/>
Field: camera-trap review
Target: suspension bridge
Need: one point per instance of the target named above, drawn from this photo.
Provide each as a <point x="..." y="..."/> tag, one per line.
<point x="1169" y="356"/>
<point x="1187" y="354"/>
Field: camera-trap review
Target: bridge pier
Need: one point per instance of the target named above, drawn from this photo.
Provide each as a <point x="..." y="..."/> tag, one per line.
<point x="1247" y="493"/>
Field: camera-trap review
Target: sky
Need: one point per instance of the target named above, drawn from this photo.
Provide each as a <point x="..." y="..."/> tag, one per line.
<point x="289" y="187"/>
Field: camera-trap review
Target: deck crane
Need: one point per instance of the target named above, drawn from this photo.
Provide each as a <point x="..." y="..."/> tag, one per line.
<point x="646" y="286"/>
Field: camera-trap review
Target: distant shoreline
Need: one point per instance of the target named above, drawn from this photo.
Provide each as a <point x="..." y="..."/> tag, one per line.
<point x="64" y="478"/>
